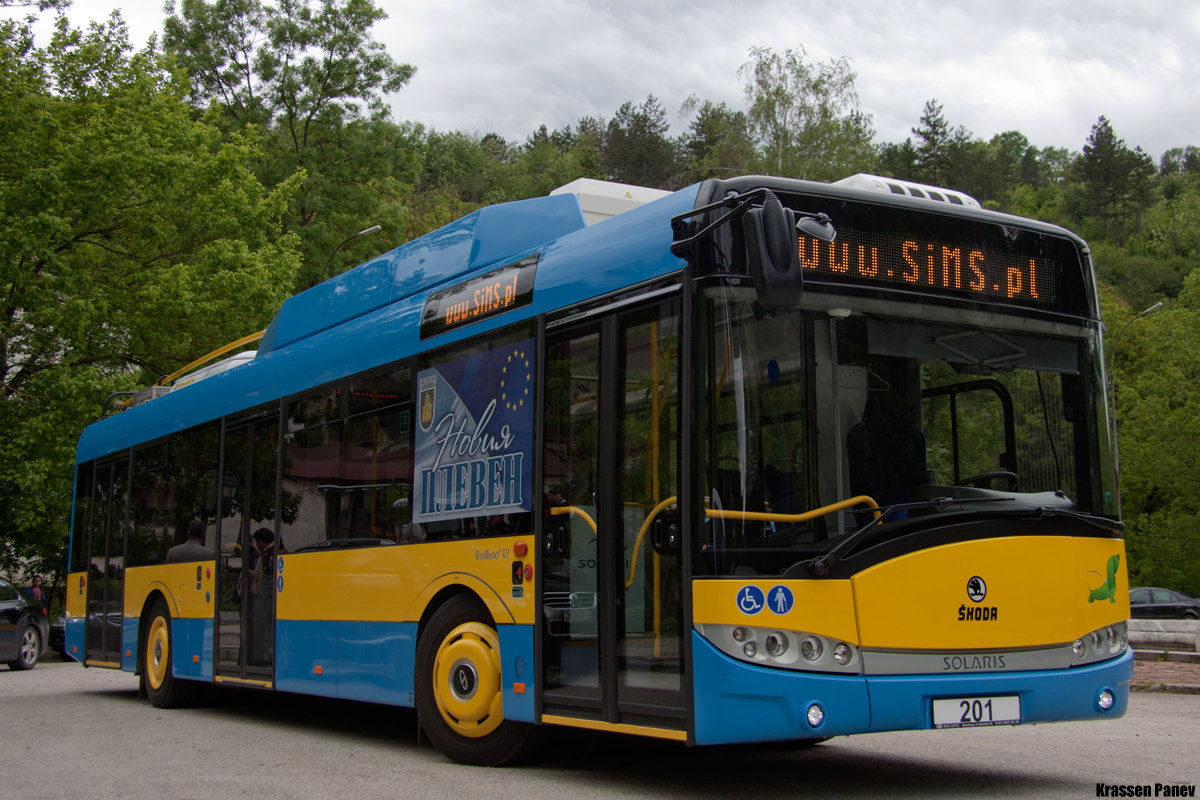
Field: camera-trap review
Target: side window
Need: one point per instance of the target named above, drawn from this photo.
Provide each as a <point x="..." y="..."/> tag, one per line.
<point x="376" y="486"/>
<point x="1139" y="596"/>
<point x="81" y="525"/>
<point x="473" y="452"/>
<point x="312" y="462"/>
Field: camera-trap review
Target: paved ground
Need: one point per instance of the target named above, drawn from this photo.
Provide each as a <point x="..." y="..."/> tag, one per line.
<point x="1166" y="676"/>
<point x="94" y="738"/>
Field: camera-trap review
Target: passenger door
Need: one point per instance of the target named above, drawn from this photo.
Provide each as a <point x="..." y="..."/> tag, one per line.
<point x="611" y="536"/>
<point x="246" y="572"/>
<point x="106" y="569"/>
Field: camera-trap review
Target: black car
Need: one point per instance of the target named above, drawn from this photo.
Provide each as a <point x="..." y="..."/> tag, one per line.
<point x="24" y="629"/>
<point x="1153" y="603"/>
<point x="58" y="635"/>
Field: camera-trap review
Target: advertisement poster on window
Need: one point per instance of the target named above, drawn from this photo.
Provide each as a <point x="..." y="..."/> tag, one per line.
<point x="475" y="435"/>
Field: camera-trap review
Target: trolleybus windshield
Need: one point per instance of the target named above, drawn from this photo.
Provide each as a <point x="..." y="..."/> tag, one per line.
<point x="808" y="411"/>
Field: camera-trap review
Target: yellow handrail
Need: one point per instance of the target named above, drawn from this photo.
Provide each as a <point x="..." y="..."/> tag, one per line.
<point x="767" y="516"/>
<point x="558" y="511"/>
<point x="752" y="516"/>
<point x="220" y="351"/>
<point x="637" y="545"/>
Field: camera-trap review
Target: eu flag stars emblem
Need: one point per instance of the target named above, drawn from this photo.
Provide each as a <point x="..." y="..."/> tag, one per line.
<point x="516" y="377"/>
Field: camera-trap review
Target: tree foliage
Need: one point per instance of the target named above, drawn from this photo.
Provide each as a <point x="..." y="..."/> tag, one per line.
<point x="804" y="116"/>
<point x="134" y="237"/>
<point x="312" y="79"/>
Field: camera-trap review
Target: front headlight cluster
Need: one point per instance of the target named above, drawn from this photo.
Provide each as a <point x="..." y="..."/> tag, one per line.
<point x="1101" y="644"/>
<point x="772" y="647"/>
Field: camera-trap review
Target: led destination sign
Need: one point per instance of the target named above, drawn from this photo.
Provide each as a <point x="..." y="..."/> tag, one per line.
<point x="479" y="298"/>
<point x="991" y="275"/>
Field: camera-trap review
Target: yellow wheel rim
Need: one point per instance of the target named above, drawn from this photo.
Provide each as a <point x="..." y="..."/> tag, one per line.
<point x="466" y="680"/>
<point x="158" y="655"/>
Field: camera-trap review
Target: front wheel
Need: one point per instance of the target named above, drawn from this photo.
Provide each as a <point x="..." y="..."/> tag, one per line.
<point x="458" y="690"/>
<point x="163" y="688"/>
<point x="29" y="651"/>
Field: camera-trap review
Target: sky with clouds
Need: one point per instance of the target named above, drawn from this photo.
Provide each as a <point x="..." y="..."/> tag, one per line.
<point x="1049" y="69"/>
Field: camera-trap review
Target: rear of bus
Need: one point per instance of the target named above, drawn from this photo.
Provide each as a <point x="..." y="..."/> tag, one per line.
<point x="910" y="510"/>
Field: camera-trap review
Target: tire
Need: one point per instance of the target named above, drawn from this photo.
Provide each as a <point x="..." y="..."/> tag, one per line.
<point x="1190" y="615"/>
<point x="163" y="688"/>
<point x="465" y="721"/>
<point x="29" y="649"/>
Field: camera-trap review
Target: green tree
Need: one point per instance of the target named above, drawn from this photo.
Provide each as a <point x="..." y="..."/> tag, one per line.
<point x="313" y="78"/>
<point x="1156" y="380"/>
<point x="718" y="142"/>
<point x="132" y="240"/>
<point x="637" y="149"/>
<point x="805" y="117"/>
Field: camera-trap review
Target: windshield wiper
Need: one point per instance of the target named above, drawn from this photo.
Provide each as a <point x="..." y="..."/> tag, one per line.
<point x="820" y="566"/>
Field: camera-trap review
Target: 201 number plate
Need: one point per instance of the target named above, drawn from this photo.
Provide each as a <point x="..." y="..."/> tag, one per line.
<point x="976" y="712"/>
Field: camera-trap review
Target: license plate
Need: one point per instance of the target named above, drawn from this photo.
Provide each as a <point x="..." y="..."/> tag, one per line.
<point x="577" y="615"/>
<point x="976" y="712"/>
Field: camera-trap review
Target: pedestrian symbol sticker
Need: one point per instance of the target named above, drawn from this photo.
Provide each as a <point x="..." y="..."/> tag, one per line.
<point x="781" y="599"/>
<point x="279" y="585"/>
<point x="750" y="600"/>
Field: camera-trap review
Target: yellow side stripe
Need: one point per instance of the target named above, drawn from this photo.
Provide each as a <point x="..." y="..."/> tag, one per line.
<point x="616" y="727"/>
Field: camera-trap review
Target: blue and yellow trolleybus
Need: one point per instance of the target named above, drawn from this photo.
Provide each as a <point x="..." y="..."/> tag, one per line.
<point x="760" y="459"/>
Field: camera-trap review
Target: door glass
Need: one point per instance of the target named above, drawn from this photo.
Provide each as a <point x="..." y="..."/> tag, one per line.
<point x="106" y="570"/>
<point x="249" y="548"/>
<point x="569" y="598"/>
<point x="649" y="647"/>
<point x="115" y="569"/>
<point x="259" y="583"/>
<point x="232" y="558"/>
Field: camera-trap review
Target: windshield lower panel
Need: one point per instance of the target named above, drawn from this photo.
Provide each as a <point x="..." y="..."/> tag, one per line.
<point x="813" y="420"/>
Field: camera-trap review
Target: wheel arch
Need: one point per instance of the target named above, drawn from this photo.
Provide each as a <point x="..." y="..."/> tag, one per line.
<point x="445" y="595"/>
<point x="440" y="591"/>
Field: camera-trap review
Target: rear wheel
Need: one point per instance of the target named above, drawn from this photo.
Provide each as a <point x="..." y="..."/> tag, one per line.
<point x="458" y="690"/>
<point x="163" y="688"/>
<point x="29" y="651"/>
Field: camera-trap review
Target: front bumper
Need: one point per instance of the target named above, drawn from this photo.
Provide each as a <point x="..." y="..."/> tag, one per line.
<point x="741" y="702"/>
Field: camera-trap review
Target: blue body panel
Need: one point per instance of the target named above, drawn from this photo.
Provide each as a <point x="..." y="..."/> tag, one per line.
<point x="191" y="638"/>
<point x="74" y="641"/>
<point x="371" y="661"/>
<point x="303" y="353"/>
<point x="375" y="661"/>
<point x="129" y="644"/>
<point x="741" y="702"/>
<point x="517" y="666"/>
<point x="300" y="647"/>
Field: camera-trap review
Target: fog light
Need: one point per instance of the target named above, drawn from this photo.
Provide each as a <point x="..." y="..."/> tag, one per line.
<point x="739" y="634"/>
<point x="751" y="649"/>
<point x="1079" y="648"/>
<point x="1105" y="700"/>
<point x="777" y="644"/>
<point x="815" y="715"/>
<point x="842" y="653"/>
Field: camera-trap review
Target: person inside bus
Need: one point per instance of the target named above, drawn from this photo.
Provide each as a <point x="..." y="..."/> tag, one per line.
<point x="262" y="597"/>
<point x="886" y="452"/>
<point x="193" y="549"/>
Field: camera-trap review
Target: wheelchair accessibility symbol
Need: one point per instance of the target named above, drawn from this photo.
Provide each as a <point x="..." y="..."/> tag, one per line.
<point x="750" y="600"/>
